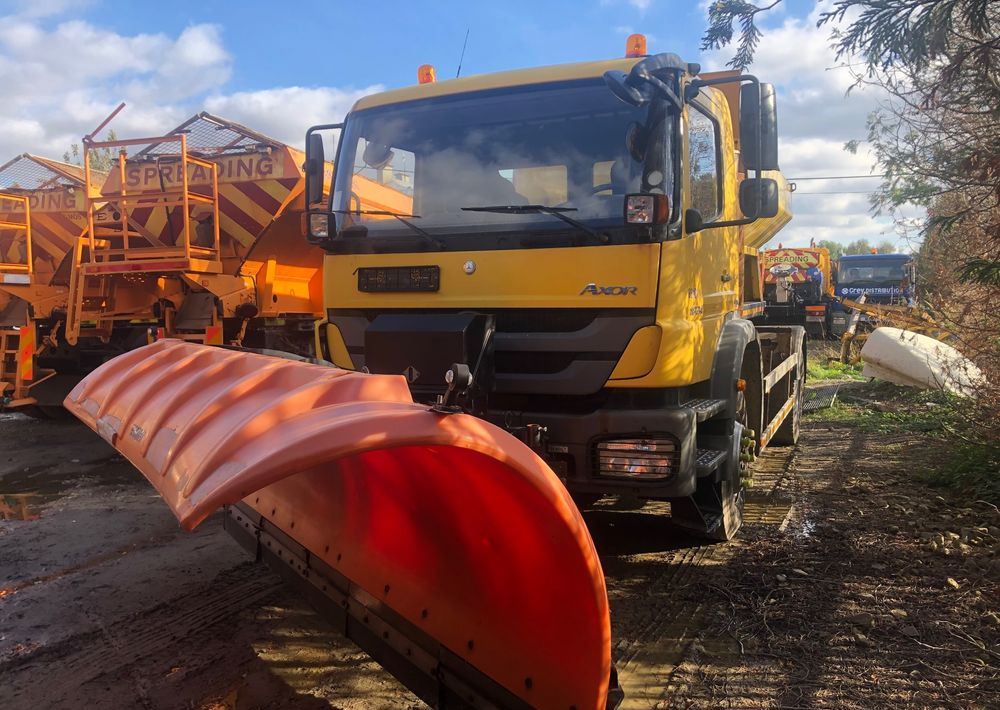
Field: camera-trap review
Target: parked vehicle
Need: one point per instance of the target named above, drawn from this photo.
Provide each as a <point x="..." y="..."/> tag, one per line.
<point x="564" y="305"/>
<point x="798" y="288"/>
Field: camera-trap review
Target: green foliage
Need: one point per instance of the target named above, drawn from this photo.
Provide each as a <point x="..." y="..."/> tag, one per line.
<point x="985" y="272"/>
<point x="885" y="32"/>
<point x="836" y="249"/>
<point x="858" y="246"/>
<point x="101" y="159"/>
<point x="832" y="369"/>
<point x="722" y="15"/>
<point x="907" y="32"/>
<point x="971" y="462"/>
<point x="886" y="247"/>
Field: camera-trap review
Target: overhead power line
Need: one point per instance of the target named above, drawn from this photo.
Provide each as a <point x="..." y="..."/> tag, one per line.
<point x="834" y="177"/>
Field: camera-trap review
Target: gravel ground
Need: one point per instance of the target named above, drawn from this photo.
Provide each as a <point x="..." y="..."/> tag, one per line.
<point x="852" y="586"/>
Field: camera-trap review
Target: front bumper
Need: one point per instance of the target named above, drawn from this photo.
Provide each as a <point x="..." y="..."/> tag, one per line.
<point x="572" y="438"/>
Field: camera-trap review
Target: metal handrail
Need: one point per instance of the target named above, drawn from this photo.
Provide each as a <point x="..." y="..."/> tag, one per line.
<point x="126" y="200"/>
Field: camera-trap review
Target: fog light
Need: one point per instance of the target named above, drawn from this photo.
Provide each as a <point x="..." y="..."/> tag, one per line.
<point x="319" y="225"/>
<point x="647" y="459"/>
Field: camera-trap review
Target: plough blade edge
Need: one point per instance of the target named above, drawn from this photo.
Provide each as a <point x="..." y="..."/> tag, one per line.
<point x="447" y="521"/>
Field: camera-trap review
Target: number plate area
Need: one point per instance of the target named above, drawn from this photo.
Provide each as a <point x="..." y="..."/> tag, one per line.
<point x="387" y="279"/>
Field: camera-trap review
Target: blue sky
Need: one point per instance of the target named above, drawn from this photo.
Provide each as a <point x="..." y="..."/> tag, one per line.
<point x="280" y="67"/>
<point x="344" y="43"/>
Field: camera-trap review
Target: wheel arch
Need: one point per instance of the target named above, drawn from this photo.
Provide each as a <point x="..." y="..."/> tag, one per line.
<point x="738" y="337"/>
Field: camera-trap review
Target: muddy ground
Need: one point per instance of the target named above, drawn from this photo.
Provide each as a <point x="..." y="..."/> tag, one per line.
<point x="853" y="585"/>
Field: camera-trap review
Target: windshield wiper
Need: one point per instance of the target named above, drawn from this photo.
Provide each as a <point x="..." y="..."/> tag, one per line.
<point x="426" y="237"/>
<point x="601" y="237"/>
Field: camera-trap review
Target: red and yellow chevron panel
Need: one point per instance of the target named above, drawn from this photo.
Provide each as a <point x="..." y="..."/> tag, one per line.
<point x="253" y="189"/>
<point x="791" y="263"/>
<point x="26" y="352"/>
<point x="58" y="217"/>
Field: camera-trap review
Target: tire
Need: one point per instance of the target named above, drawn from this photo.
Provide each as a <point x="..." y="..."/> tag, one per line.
<point x="715" y="511"/>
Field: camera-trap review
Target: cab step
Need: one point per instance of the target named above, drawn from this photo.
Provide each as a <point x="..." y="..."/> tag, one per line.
<point x="706" y="408"/>
<point x="707" y="461"/>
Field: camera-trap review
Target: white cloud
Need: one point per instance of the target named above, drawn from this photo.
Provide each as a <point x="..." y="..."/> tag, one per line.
<point x="286" y="113"/>
<point x="816" y="116"/>
<point x="61" y="79"/>
<point x="53" y="97"/>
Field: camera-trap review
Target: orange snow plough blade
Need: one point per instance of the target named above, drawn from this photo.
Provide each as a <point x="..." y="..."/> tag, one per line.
<point x="452" y="553"/>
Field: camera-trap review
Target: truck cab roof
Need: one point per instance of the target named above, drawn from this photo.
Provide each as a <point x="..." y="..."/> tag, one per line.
<point x="888" y="257"/>
<point x="497" y="80"/>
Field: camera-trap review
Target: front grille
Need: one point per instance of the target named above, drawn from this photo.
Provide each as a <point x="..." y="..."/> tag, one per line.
<point x="648" y="457"/>
<point x="541" y="351"/>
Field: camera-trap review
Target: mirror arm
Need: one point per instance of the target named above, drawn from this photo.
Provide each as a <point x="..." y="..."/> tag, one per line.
<point x="730" y="223"/>
<point x="664" y="89"/>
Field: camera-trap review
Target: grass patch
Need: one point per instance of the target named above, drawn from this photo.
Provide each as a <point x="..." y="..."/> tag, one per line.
<point x="832" y="370"/>
<point x="961" y="461"/>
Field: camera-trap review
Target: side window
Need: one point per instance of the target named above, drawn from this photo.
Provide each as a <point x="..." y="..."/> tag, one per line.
<point x="703" y="166"/>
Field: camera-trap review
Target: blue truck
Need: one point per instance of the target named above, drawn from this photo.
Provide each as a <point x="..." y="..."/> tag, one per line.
<point x="882" y="278"/>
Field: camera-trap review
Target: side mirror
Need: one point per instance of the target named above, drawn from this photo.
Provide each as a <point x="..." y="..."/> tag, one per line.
<point x="693" y="221"/>
<point x="758" y="111"/>
<point x="759" y="197"/>
<point x="315" y="162"/>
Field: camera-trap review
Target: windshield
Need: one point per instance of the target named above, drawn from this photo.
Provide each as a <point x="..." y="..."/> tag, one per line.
<point x="569" y="149"/>
<point x="874" y="270"/>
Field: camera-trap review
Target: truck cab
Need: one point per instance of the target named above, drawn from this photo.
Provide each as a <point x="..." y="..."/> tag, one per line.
<point x="887" y="279"/>
<point x="581" y="240"/>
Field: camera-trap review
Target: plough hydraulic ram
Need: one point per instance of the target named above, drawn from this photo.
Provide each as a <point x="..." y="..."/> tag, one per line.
<point x="439" y="543"/>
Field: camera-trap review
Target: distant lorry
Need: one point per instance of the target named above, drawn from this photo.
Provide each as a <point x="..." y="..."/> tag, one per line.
<point x="798" y="288"/>
<point x="883" y="279"/>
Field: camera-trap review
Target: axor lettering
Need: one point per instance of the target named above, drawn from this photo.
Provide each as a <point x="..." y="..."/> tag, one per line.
<point x="595" y="290"/>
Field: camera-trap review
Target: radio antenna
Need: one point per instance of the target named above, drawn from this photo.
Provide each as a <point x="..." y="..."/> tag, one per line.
<point x="464" y="43"/>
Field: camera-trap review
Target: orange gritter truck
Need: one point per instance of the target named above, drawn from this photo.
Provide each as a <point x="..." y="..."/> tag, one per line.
<point x="42" y="214"/>
<point x="561" y="300"/>
<point x="798" y="287"/>
<point x="191" y="235"/>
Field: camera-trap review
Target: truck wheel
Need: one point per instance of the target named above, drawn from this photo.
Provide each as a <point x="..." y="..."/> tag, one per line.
<point x="715" y="511"/>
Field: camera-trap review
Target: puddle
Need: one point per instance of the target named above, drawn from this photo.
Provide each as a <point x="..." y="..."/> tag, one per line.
<point x="24" y="493"/>
<point x="20" y="506"/>
<point x="37" y="480"/>
<point x="807" y="529"/>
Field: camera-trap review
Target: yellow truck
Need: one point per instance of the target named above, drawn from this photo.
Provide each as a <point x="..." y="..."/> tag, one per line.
<point x="566" y="305"/>
<point x="585" y="238"/>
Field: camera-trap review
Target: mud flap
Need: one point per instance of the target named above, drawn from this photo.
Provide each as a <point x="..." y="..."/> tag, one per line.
<point x="446" y="522"/>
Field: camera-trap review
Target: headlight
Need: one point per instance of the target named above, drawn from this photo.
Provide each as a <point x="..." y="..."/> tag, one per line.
<point x="647" y="209"/>
<point x="319" y="225"/>
<point x="648" y="459"/>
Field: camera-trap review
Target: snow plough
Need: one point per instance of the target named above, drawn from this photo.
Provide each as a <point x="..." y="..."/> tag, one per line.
<point x="42" y="214"/>
<point x="564" y="310"/>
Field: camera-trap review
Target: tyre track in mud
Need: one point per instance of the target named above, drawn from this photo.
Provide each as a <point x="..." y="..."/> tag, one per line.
<point x="115" y="646"/>
<point x="681" y="610"/>
<point x="653" y="627"/>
